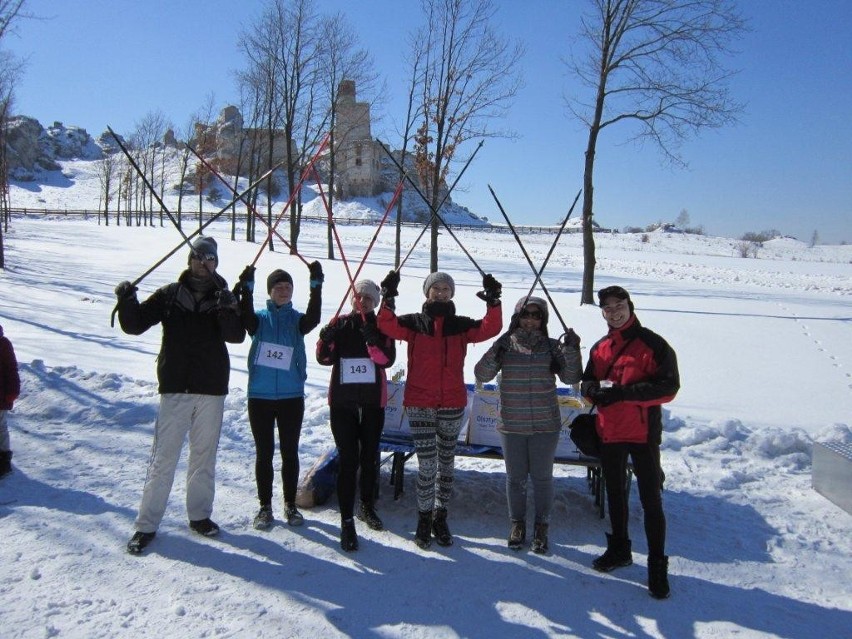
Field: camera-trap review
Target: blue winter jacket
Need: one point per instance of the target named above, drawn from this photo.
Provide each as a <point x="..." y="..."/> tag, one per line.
<point x="280" y="326"/>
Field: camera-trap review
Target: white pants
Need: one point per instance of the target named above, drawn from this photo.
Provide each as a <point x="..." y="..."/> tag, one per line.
<point x="201" y="417"/>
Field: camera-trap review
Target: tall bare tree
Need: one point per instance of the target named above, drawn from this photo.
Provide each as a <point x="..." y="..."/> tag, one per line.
<point x="10" y="71"/>
<point x="107" y="170"/>
<point x="469" y="78"/>
<point x="340" y="59"/>
<point x="282" y="50"/>
<point x="656" y="65"/>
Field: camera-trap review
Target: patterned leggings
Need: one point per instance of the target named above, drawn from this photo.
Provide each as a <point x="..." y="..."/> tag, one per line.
<point x="435" y="432"/>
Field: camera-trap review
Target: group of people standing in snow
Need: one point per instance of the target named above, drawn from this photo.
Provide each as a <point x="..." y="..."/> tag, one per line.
<point x="630" y="373"/>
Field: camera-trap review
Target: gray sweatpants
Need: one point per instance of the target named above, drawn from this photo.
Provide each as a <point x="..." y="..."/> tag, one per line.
<point x="180" y="414"/>
<point x="435" y="433"/>
<point x="529" y="456"/>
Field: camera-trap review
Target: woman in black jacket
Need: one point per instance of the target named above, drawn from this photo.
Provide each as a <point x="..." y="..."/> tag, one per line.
<point x="357" y="394"/>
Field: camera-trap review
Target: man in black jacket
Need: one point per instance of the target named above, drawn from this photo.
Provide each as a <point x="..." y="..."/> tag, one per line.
<point x="198" y="315"/>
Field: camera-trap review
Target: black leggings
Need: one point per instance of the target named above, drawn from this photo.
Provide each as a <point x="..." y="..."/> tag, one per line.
<point x="263" y="415"/>
<point x="357" y="429"/>
<point x="646" y="467"/>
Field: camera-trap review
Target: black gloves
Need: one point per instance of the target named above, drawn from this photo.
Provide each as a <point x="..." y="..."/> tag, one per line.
<point x="592" y="391"/>
<point x="317" y="278"/>
<point x="492" y="290"/>
<point x="371" y="334"/>
<point x="125" y="290"/>
<point x="226" y="299"/>
<point x="246" y="278"/>
<point x="570" y="338"/>
<point x="589" y="388"/>
<point x="328" y="334"/>
<point x="390" y="285"/>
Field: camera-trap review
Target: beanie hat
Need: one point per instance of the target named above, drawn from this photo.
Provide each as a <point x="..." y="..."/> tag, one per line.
<point x="277" y="276"/>
<point x="202" y="247"/>
<point x="367" y="288"/>
<point x="435" y="278"/>
<point x="616" y="292"/>
<point x="533" y="301"/>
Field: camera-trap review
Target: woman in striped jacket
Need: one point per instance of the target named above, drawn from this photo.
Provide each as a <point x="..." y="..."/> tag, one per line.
<point x="529" y="410"/>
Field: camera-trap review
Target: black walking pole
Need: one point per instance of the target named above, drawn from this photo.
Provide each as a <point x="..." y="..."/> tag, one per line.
<point x="435" y="214"/>
<point x="527" y="256"/>
<point x="198" y="231"/>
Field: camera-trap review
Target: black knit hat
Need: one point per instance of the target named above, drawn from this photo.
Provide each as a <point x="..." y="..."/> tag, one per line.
<point x="616" y="292"/>
<point x="202" y="247"/>
<point x="276" y="277"/>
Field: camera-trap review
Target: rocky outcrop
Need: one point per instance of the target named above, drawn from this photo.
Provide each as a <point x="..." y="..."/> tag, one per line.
<point x="31" y="148"/>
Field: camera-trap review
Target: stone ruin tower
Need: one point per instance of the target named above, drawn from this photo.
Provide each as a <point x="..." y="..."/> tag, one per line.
<point x="358" y="156"/>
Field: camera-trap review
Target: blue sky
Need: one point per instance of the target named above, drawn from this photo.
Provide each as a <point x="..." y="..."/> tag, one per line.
<point x="787" y="165"/>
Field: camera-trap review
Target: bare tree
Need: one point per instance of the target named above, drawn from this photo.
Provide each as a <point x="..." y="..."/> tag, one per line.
<point x="282" y="50"/>
<point x="655" y="65"/>
<point x="469" y="78"/>
<point x="107" y="169"/>
<point x="10" y="71"/>
<point x="340" y="59"/>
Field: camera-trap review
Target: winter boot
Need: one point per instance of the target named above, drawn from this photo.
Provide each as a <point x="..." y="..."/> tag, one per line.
<point x="617" y="554"/>
<point x="348" y="536"/>
<point x="367" y="514"/>
<point x="517" y="534"/>
<point x="440" y="529"/>
<point x="423" y="536"/>
<point x="263" y="519"/>
<point x="658" y="577"/>
<point x="5" y="462"/>
<point x="539" y="542"/>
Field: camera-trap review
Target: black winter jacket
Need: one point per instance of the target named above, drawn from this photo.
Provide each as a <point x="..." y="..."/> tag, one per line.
<point x="193" y="357"/>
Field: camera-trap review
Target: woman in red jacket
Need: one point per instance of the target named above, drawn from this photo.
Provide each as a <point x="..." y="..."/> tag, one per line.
<point x="630" y="373"/>
<point x="435" y="394"/>
<point x="10" y="388"/>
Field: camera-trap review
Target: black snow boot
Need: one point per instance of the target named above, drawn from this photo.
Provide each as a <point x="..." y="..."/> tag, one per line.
<point x="348" y="536"/>
<point x="617" y="555"/>
<point x="5" y="462"/>
<point x="367" y="513"/>
<point x="423" y="536"/>
<point x="539" y="543"/>
<point x="440" y="528"/>
<point x="658" y="577"/>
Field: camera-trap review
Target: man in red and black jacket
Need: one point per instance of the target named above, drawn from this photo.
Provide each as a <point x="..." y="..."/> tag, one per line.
<point x="630" y="373"/>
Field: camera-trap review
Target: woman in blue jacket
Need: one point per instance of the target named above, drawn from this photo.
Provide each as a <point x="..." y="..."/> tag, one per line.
<point x="277" y="367"/>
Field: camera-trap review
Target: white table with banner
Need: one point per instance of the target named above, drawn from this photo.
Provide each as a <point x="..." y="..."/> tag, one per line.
<point x="479" y="436"/>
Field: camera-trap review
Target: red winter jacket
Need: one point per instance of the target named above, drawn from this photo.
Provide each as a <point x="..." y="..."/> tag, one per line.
<point x="10" y="382"/>
<point x="646" y="369"/>
<point x="436" y="350"/>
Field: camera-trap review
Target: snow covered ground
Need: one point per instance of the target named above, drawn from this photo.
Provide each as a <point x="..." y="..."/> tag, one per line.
<point x="765" y="352"/>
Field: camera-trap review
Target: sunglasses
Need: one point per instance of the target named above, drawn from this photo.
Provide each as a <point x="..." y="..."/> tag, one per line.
<point x="209" y="257"/>
<point x="536" y="315"/>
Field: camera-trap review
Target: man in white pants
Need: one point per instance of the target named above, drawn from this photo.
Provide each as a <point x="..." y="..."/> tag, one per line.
<point x="198" y="315"/>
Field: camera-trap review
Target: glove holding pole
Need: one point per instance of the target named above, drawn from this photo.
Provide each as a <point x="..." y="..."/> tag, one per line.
<point x="491" y="290"/>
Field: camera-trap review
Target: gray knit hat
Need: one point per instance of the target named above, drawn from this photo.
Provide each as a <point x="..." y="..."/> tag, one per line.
<point x="367" y="288"/>
<point x="533" y="301"/>
<point x="434" y="278"/>
<point x="202" y="247"/>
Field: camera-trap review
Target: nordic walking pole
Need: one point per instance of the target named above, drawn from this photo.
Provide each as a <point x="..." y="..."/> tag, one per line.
<point x="388" y="209"/>
<point x="290" y="199"/>
<point x="248" y="206"/>
<point x="198" y="231"/>
<point x="553" y="246"/>
<point x="527" y="256"/>
<point x="435" y="213"/>
<point x="149" y="186"/>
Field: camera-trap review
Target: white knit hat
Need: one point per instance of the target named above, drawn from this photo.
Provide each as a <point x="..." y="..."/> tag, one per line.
<point x="367" y="288"/>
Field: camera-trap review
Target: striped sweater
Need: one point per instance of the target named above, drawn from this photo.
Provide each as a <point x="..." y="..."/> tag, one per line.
<point x="528" y="402"/>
